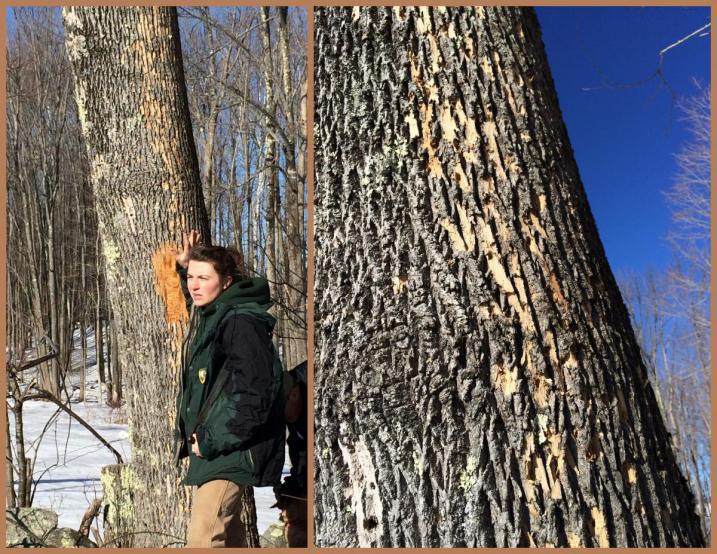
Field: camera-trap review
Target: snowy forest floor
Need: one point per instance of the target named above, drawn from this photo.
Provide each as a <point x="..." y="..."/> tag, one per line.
<point x="68" y="458"/>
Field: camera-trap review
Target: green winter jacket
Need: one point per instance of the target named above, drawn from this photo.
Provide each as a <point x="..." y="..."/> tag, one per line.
<point x="231" y="393"/>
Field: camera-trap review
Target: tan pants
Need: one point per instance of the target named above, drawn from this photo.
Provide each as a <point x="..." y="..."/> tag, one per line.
<point x="215" y="521"/>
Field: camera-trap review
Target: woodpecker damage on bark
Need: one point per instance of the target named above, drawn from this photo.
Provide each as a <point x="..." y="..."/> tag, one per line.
<point x="477" y="379"/>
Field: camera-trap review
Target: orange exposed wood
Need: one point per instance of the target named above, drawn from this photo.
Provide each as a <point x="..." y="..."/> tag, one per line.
<point x="167" y="284"/>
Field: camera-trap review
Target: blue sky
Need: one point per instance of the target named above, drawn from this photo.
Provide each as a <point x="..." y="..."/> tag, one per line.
<point x="625" y="139"/>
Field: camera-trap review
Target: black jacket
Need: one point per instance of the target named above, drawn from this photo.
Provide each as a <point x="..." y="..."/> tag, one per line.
<point x="231" y="390"/>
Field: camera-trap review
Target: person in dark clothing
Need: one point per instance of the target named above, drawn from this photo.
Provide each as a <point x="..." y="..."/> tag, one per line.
<point x="291" y="494"/>
<point x="230" y="409"/>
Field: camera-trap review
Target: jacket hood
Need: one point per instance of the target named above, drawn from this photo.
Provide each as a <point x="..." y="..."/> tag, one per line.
<point x="252" y="296"/>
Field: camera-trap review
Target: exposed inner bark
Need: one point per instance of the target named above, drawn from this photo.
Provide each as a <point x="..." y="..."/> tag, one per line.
<point x="477" y="380"/>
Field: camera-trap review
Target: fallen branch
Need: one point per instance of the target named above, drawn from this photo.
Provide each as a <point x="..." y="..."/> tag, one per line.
<point x="47" y="395"/>
<point x="90" y="514"/>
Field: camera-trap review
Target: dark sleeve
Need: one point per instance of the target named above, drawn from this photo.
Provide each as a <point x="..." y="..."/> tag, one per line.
<point x="297" y="454"/>
<point x="245" y="403"/>
<point x="182" y="272"/>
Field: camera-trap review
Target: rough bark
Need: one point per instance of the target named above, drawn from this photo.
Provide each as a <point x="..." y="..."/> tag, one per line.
<point x="132" y="102"/>
<point x="118" y="506"/>
<point x="477" y="380"/>
<point x="247" y="516"/>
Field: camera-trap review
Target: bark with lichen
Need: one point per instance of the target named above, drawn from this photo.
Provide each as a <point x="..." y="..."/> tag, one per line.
<point x="132" y="101"/>
<point x="477" y="380"/>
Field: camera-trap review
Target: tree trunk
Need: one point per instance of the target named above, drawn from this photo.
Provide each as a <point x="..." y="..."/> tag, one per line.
<point x="247" y="516"/>
<point x="132" y="101"/>
<point x="99" y="352"/>
<point x="85" y="304"/>
<point x="10" y="494"/>
<point x="273" y="193"/>
<point x="118" y="498"/>
<point x="114" y="391"/>
<point x="477" y="380"/>
<point x="294" y="333"/>
<point x="110" y="362"/>
<point x="83" y="367"/>
<point x="51" y="380"/>
<point x="24" y="464"/>
<point x="99" y="332"/>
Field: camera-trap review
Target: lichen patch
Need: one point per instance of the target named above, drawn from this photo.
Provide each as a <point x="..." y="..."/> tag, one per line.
<point x="467" y="476"/>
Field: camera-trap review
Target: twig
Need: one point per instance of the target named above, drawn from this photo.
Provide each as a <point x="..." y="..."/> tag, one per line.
<point x="37" y="361"/>
<point x="688" y="37"/>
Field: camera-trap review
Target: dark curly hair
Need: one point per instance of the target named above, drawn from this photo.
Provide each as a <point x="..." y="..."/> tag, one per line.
<point x="227" y="262"/>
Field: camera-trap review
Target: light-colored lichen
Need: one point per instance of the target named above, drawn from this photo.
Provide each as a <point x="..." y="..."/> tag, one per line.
<point x="467" y="476"/>
<point x="417" y="461"/>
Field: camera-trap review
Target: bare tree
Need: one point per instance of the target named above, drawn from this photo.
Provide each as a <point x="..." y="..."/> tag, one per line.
<point x="48" y="233"/>
<point x="257" y="69"/>
<point x="670" y="310"/>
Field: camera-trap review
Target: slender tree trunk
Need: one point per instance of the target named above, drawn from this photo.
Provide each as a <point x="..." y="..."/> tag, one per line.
<point x="251" y="255"/>
<point x="294" y="299"/>
<point x="236" y="201"/>
<point x="24" y="464"/>
<point x="83" y="367"/>
<point x="11" y="495"/>
<point x="83" y="288"/>
<point x="55" y="306"/>
<point x="131" y="97"/>
<point x="301" y="165"/>
<point x="270" y="162"/>
<point x="99" y="326"/>
<point x="110" y="361"/>
<point x="477" y="380"/>
<point x="114" y="398"/>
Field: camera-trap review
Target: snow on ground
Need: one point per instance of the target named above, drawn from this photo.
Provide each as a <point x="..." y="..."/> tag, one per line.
<point x="68" y="458"/>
